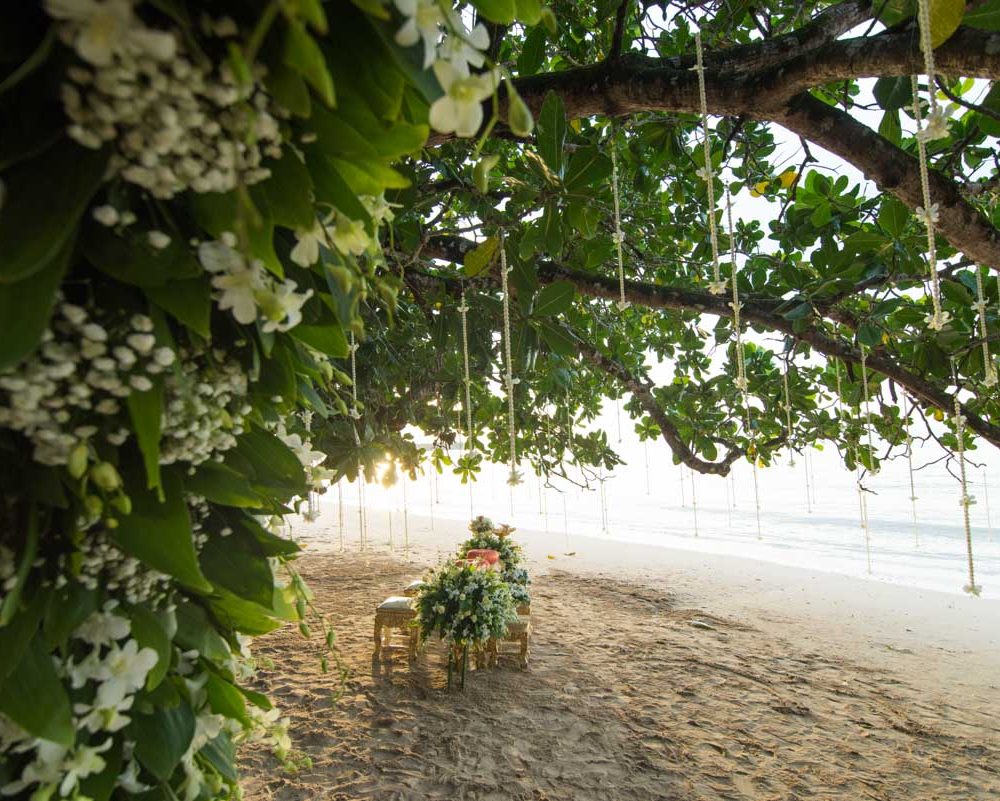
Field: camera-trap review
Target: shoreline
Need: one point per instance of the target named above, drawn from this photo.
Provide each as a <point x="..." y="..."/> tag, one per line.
<point x="955" y="638"/>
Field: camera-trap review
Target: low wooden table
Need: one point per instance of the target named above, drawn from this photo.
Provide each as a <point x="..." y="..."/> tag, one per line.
<point x="396" y="613"/>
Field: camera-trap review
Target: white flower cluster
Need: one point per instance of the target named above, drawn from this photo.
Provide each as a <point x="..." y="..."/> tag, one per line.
<point x="204" y="406"/>
<point x="71" y="388"/>
<point x="99" y="563"/>
<point x="450" y="49"/>
<point x="245" y="287"/>
<point x="339" y="231"/>
<point x="112" y="669"/>
<point x="176" y="122"/>
<point x="311" y="459"/>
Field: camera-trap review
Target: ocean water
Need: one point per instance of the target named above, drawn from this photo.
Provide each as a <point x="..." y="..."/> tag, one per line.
<point x="809" y="513"/>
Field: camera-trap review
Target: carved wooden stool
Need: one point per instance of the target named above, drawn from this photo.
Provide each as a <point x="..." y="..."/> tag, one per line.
<point x="396" y="612"/>
<point x="518" y="633"/>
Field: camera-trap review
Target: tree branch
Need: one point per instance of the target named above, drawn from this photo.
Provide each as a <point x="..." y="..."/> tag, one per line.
<point x="757" y="311"/>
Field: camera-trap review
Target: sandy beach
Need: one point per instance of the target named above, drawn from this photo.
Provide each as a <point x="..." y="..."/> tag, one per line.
<point x="654" y="674"/>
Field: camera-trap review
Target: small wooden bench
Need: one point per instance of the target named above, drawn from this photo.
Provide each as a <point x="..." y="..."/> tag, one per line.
<point x="396" y="613"/>
<point x="518" y="633"/>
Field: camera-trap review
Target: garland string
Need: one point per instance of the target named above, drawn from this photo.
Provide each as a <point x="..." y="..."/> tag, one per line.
<point x="913" y="491"/>
<point x="990" y="377"/>
<point x="966" y="500"/>
<point x="788" y="415"/>
<point x="514" y="478"/>
<point x="929" y="212"/>
<point x="464" y="310"/>
<point x="741" y="369"/>
<point x="717" y="286"/>
<point x="406" y="518"/>
<point x="355" y="416"/>
<point x="619" y="237"/>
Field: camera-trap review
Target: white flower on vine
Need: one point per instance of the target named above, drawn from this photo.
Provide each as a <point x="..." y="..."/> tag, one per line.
<point x="623" y="304"/>
<point x="282" y="306"/>
<point x="465" y="49"/>
<point x="101" y="28"/>
<point x="306" y="250"/>
<point x="460" y="108"/>
<point x="927" y="218"/>
<point x="379" y="208"/>
<point x="935" y="126"/>
<point x="349" y="236"/>
<point x="103" y="628"/>
<point x="105" y="718"/>
<point x="514" y="478"/>
<point x="936" y="321"/>
<point x="423" y="21"/>
<point x="85" y="761"/>
<point x="122" y="672"/>
<point x="238" y="292"/>
<point x="717" y="287"/>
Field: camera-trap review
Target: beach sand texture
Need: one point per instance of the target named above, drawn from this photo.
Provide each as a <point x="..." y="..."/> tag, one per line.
<point x="632" y="693"/>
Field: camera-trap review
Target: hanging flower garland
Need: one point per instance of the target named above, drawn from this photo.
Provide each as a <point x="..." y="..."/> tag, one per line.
<point x="989" y="369"/>
<point x="355" y="416"/>
<point x="716" y="286"/>
<point x="909" y="465"/>
<point x="873" y="469"/>
<point x="619" y="236"/>
<point x="741" y="369"/>
<point x="514" y="476"/>
<point x="788" y="415"/>
<point x="928" y="213"/>
<point x="966" y="500"/>
<point x="862" y="499"/>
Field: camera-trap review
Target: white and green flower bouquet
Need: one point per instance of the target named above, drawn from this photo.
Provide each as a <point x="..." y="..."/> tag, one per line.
<point x="465" y="605"/>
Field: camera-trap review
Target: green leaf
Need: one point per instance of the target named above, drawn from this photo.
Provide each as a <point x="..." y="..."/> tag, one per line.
<point x="532" y="52"/>
<point x="556" y="298"/>
<point x="302" y="53"/>
<point x="799" y="312"/>
<point x="894" y="93"/>
<point x="162" y="737"/>
<point x="71" y="605"/>
<point x="188" y="302"/>
<point x="274" y="466"/>
<point x="225" y="699"/>
<point x="481" y="257"/>
<point x="869" y="335"/>
<point x="34" y="697"/>
<point x="550" y="132"/>
<point x="890" y="128"/>
<point x="128" y="257"/>
<point x="219" y="483"/>
<point x="559" y="340"/>
<point x="946" y="16"/>
<point x="288" y="88"/>
<point x="892" y="216"/>
<point x="149" y="632"/>
<point x="145" y="410"/>
<point x="986" y="16"/>
<point x="25" y="307"/>
<point x="18" y="633"/>
<point x="196" y="631"/>
<point x="328" y="339"/>
<point x="502" y="11"/>
<point x="586" y="167"/>
<point x="217" y="212"/>
<point x="35" y="221"/>
<point x="287" y="194"/>
<point x="238" y="564"/>
<point x="222" y="754"/>
<point x="160" y="534"/>
<point x="528" y="11"/>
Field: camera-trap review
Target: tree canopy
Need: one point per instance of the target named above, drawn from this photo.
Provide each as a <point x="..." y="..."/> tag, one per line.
<point x="247" y="248"/>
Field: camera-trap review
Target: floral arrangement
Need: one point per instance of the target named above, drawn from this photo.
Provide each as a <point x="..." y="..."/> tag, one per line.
<point x="190" y="231"/>
<point x="485" y="536"/>
<point x="465" y="605"/>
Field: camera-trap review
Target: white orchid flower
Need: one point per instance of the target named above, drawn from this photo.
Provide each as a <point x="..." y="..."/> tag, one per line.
<point x="282" y="306"/>
<point x="423" y="21"/>
<point x="306" y="250"/>
<point x="238" y="291"/>
<point x="464" y="51"/>
<point x="123" y="671"/>
<point x="85" y="761"/>
<point x="349" y="236"/>
<point x="103" y="628"/>
<point x="460" y="108"/>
